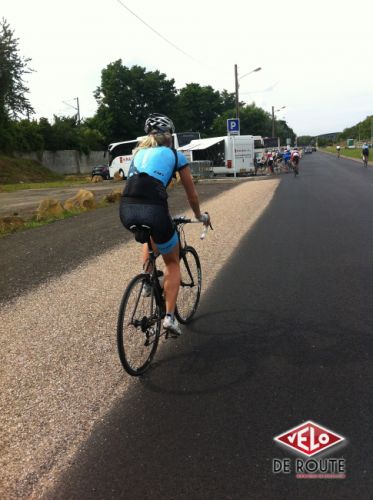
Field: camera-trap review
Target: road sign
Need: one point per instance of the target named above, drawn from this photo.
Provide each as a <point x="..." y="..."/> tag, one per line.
<point x="233" y="126"/>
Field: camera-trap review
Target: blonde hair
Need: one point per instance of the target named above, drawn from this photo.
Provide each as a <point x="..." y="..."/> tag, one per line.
<point x="153" y="141"/>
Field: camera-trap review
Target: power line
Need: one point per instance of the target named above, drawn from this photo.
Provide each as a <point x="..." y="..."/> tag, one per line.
<point x="157" y="33"/>
<point x="269" y="89"/>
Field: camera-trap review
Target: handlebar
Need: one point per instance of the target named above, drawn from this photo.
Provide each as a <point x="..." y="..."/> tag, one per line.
<point x="182" y="219"/>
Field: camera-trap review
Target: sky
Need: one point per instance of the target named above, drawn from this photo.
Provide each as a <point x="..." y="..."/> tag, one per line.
<point x="315" y="56"/>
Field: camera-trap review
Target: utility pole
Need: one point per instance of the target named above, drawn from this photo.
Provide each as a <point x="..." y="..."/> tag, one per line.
<point x="273" y="118"/>
<point x="236" y="90"/>
<point x="78" y="110"/>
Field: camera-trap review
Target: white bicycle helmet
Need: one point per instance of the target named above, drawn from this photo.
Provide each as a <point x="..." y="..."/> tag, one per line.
<point x="159" y="123"/>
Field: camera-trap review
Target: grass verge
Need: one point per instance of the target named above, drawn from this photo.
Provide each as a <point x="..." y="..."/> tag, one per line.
<point x="350" y="153"/>
<point x="10" y="188"/>
<point x="34" y="223"/>
<point x="21" y="173"/>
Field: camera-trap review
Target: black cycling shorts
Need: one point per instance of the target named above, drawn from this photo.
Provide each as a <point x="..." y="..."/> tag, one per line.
<point x="156" y="217"/>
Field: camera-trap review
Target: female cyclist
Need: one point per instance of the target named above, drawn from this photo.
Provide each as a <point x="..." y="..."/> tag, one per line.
<point x="144" y="201"/>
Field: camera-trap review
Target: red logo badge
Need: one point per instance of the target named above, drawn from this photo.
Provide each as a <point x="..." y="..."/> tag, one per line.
<point x="309" y="438"/>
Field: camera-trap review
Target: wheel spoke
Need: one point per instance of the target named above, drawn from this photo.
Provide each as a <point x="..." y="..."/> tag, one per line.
<point x="190" y="285"/>
<point x="138" y="327"/>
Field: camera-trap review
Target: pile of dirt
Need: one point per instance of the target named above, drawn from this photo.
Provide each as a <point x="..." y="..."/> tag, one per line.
<point x="15" y="170"/>
<point x="82" y="200"/>
<point x="49" y="208"/>
<point x="10" y="223"/>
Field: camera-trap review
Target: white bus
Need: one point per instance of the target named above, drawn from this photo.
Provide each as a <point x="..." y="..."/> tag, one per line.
<point x="229" y="155"/>
<point x="120" y="153"/>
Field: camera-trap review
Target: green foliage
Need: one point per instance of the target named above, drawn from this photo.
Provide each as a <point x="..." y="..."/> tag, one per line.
<point x="197" y="108"/>
<point x="305" y="140"/>
<point x="14" y="170"/>
<point x="91" y="139"/>
<point x="13" y="100"/>
<point x="323" y="141"/>
<point x="125" y="98"/>
<point x="63" y="134"/>
<point x="253" y="121"/>
<point x="361" y="131"/>
<point x="27" y="136"/>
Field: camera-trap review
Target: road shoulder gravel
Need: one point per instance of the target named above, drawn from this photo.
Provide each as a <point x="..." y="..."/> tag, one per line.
<point x="60" y="372"/>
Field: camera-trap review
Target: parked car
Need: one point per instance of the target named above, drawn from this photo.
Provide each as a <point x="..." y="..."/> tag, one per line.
<point x="308" y="149"/>
<point x="102" y="170"/>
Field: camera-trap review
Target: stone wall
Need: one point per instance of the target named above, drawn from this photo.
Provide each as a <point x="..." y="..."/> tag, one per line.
<point x="68" y="161"/>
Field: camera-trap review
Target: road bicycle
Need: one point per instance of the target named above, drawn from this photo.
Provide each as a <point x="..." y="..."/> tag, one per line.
<point x="143" y="306"/>
<point x="295" y="166"/>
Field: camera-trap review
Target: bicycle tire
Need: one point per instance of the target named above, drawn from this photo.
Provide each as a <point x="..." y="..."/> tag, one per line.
<point x="138" y="327"/>
<point x="190" y="285"/>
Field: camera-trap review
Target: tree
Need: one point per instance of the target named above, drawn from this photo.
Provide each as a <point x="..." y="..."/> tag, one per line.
<point x="361" y="131"/>
<point x="127" y="96"/>
<point x="13" y="100"/>
<point x="198" y="107"/>
<point x="305" y="140"/>
<point x="253" y="121"/>
<point x="283" y="131"/>
<point x="228" y="100"/>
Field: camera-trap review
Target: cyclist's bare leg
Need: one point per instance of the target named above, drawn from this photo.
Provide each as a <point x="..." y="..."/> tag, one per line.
<point x="171" y="278"/>
<point x="171" y="275"/>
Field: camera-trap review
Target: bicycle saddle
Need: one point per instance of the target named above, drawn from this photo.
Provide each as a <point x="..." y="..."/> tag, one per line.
<point x="141" y="232"/>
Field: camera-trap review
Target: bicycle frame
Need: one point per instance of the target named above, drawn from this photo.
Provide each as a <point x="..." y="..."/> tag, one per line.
<point x="150" y="266"/>
<point x="143" y="303"/>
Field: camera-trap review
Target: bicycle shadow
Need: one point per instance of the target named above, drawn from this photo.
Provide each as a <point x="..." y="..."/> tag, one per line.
<point x="211" y="361"/>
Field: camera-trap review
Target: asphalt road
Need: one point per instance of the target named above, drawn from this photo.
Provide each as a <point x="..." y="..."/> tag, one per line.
<point x="285" y="336"/>
<point x="31" y="257"/>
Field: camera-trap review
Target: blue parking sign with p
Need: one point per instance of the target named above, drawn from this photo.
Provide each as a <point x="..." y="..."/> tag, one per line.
<point x="233" y="126"/>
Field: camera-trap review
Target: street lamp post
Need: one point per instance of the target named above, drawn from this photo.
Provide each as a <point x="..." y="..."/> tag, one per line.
<point x="237" y="86"/>
<point x="77" y="108"/>
<point x="273" y="118"/>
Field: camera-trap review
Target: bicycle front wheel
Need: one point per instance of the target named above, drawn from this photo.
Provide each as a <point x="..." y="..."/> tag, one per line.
<point x="138" y="328"/>
<point x="190" y="285"/>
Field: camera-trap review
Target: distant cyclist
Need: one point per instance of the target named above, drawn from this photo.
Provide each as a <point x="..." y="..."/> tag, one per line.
<point x="338" y="151"/>
<point x="365" y="153"/>
<point x="295" y="156"/>
<point x="270" y="161"/>
<point x="286" y="157"/>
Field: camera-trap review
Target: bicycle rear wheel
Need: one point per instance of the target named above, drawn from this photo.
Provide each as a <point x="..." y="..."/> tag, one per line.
<point x="190" y="285"/>
<point x="138" y="327"/>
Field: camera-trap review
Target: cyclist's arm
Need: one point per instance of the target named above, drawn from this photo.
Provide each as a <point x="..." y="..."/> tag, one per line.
<point x="190" y="189"/>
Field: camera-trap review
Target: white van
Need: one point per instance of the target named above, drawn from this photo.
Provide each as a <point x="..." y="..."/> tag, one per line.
<point x="120" y="153"/>
<point x="230" y="155"/>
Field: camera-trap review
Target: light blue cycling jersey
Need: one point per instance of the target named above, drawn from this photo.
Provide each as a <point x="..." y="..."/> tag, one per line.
<point x="158" y="162"/>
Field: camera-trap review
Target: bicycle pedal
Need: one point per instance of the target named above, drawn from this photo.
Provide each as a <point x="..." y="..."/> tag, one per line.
<point x="170" y="335"/>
